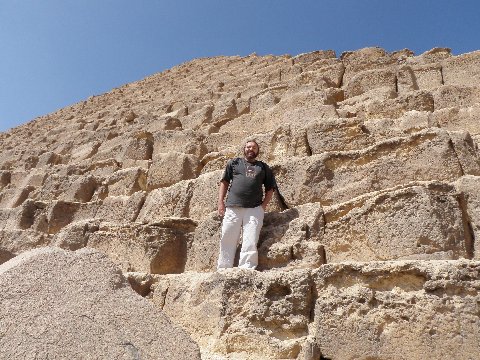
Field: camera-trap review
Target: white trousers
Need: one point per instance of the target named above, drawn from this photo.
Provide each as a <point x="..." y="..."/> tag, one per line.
<point x="251" y="219"/>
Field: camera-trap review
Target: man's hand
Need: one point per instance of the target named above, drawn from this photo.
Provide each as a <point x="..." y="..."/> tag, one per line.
<point x="221" y="209"/>
<point x="222" y="191"/>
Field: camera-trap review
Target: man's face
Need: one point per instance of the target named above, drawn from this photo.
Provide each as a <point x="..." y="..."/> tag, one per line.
<point x="251" y="150"/>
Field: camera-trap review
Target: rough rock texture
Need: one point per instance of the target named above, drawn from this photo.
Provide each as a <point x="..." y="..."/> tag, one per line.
<point x="376" y="310"/>
<point x="77" y="305"/>
<point x="376" y="156"/>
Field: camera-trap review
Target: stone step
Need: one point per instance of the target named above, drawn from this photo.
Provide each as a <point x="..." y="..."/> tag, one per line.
<point x="340" y="311"/>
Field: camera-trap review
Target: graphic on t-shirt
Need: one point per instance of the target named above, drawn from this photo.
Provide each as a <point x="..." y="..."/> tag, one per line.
<point x="250" y="171"/>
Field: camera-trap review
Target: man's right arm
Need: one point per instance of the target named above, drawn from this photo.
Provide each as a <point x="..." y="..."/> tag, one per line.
<point x="222" y="192"/>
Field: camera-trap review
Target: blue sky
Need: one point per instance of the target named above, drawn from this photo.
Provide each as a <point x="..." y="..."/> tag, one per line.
<point x="55" y="53"/>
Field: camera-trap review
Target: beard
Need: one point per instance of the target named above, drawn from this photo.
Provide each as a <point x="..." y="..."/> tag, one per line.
<point x="250" y="154"/>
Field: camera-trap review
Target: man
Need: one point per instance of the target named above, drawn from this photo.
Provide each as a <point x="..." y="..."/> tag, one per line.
<point x="243" y="179"/>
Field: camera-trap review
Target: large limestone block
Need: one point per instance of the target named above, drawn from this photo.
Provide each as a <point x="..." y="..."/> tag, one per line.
<point x="394" y="108"/>
<point x="223" y="112"/>
<point x="172" y="201"/>
<point x="127" y="182"/>
<point x="15" y="241"/>
<point x="435" y="55"/>
<point x="462" y="70"/>
<point x="85" y="151"/>
<point x="186" y="141"/>
<point x="121" y="208"/>
<point x="205" y="247"/>
<point x="409" y="123"/>
<point x="113" y="147"/>
<point x="327" y="73"/>
<point x="139" y="147"/>
<point x="362" y="59"/>
<point x="204" y="195"/>
<point x="419" y="77"/>
<point x="368" y="81"/>
<point x="458" y="118"/>
<point x="5" y="178"/>
<point x="297" y="109"/>
<point x="198" y="117"/>
<point x="321" y="78"/>
<point x="469" y="186"/>
<point x="72" y="305"/>
<point x="336" y="177"/>
<point x="356" y="133"/>
<point x="156" y="249"/>
<point x="467" y="152"/>
<point x="398" y="310"/>
<point x="75" y="235"/>
<point x="217" y="160"/>
<point x="51" y="217"/>
<point x="30" y="215"/>
<point x="456" y="96"/>
<point x="170" y="168"/>
<point x="81" y="188"/>
<point x="194" y="198"/>
<point x="313" y="56"/>
<point x="218" y="142"/>
<point x="240" y="313"/>
<point x="292" y="238"/>
<point x="414" y="222"/>
<point x="372" y="58"/>
<point x="74" y="184"/>
<point x="337" y="135"/>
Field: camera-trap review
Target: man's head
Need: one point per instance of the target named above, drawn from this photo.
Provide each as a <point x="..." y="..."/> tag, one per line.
<point x="251" y="150"/>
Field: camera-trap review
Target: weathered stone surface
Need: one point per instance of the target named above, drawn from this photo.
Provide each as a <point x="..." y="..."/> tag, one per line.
<point x="469" y="186"/>
<point x="187" y="142"/>
<point x="370" y="80"/>
<point x="397" y="310"/>
<point x="75" y="235"/>
<point x="363" y="59"/>
<point x="170" y="168"/>
<point x="204" y="195"/>
<point x="284" y="141"/>
<point x="310" y="57"/>
<point x="160" y="248"/>
<point x="140" y="147"/>
<point x="16" y="241"/>
<point x="456" y="95"/>
<point x="413" y="222"/>
<point x="292" y="238"/>
<point x="81" y="306"/>
<point x="337" y="135"/>
<point x="279" y="315"/>
<point x="462" y="69"/>
<point x="121" y="208"/>
<point x="59" y="214"/>
<point x="419" y="77"/>
<point x="127" y="182"/>
<point x="395" y="108"/>
<point x="458" y="118"/>
<point x="167" y="202"/>
<point x="245" y="313"/>
<point x="341" y="176"/>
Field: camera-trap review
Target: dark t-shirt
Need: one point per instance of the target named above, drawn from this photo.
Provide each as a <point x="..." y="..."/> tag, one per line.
<point x="246" y="182"/>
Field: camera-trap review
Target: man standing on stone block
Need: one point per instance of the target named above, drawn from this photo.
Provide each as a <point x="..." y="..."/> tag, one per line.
<point x="243" y="180"/>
